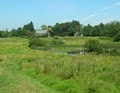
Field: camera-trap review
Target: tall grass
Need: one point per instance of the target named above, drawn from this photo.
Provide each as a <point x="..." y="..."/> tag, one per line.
<point x="63" y="73"/>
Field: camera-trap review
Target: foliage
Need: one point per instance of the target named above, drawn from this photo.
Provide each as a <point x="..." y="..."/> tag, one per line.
<point x="108" y="29"/>
<point x="70" y="28"/>
<point x="112" y="28"/>
<point x="36" y="42"/>
<point x="67" y="29"/>
<point x="27" y="30"/>
<point x="96" y="31"/>
<point x="50" y="72"/>
<point x="87" y="30"/>
<point x="44" y="27"/>
<point x="93" y="46"/>
<point x="114" y="52"/>
<point x="29" y="27"/>
<point x="117" y="37"/>
<point x="1" y="33"/>
<point x="5" y="34"/>
<point x="57" y="41"/>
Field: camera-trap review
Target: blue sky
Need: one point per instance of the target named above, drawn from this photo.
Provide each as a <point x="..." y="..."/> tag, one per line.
<point x="16" y="13"/>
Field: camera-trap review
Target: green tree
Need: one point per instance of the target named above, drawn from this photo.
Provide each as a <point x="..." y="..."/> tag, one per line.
<point x="13" y="32"/>
<point x="17" y="32"/>
<point x="67" y="29"/>
<point x="76" y="26"/>
<point x="117" y="37"/>
<point x="50" y="28"/>
<point x="44" y="27"/>
<point x="57" y="29"/>
<point x="1" y="33"/>
<point x="96" y="31"/>
<point x="113" y="28"/>
<point x="5" y="34"/>
<point x="87" y="30"/>
<point x="29" y="27"/>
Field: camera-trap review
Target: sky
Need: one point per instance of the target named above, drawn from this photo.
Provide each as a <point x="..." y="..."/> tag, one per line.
<point x="16" y="13"/>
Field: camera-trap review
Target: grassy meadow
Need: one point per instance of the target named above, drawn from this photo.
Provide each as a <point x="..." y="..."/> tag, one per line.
<point x="25" y="70"/>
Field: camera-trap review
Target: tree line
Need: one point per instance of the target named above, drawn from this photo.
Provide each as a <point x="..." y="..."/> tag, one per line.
<point x="111" y="29"/>
<point x="26" y="30"/>
<point x="68" y="29"/>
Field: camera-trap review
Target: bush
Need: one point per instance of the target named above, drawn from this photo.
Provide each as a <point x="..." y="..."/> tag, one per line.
<point x="36" y="42"/>
<point x="117" y="37"/>
<point x="93" y="46"/>
<point x="114" y="52"/>
<point x="57" y="41"/>
<point x="111" y="48"/>
<point x="4" y="34"/>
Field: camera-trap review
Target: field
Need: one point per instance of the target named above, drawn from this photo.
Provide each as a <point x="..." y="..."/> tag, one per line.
<point x="25" y="70"/>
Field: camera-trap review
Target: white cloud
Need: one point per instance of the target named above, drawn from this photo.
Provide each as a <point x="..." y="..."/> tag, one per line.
<point x="99" y="15"/>
<point x="110" y="7"/>
<point x="106" y="20"/>
<point x="90" y="17"/>
<point x="99" y="12"/>
<point x="116" y="4"/>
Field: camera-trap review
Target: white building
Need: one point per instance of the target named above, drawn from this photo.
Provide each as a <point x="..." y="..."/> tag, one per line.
<point x="40" y="32"/>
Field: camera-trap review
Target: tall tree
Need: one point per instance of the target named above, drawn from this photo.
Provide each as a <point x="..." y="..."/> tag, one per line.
<point x="113" y="28"/>
<point x="87" y="30"/>
<point x="14" y="32"/>
<point x="29" y="27"/>
<point x="96" y="31"/>
<point x="67" y="29"/>
<point x="44" y="27"/>
<point x="5" y="34"/>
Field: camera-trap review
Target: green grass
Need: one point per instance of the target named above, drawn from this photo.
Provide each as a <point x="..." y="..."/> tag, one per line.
<point x="23" y="70"/>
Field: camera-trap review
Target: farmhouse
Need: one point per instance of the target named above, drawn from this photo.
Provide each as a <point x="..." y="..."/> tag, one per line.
<point x="40" y="32"/>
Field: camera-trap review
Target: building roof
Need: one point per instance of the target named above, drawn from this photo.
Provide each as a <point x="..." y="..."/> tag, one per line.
<point x="40" y="31"/>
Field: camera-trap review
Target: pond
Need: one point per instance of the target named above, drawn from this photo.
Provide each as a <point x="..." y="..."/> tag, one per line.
<point x="74" y="52"/>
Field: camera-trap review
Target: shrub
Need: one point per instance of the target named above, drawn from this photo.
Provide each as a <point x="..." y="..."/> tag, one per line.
<point x="57" y="41"/>
<point x="91" y="90"/>
<point x="36" y="42"/>
<point x="4" y="34"/>
<point x="114" y="52"/>
<point x="111" y="48"/>
<point x="93" y="46"/>
<point x="117" y="37"/>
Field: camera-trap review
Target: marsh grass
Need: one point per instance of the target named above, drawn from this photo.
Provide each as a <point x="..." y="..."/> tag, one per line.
<point x="22" y="66"/>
